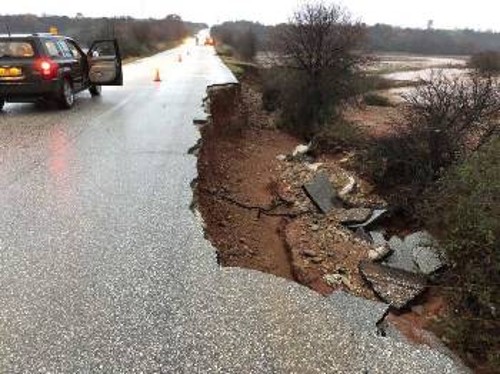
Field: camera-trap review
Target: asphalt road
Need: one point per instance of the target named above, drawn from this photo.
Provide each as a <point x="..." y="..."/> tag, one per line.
<point x="103" y="267"/>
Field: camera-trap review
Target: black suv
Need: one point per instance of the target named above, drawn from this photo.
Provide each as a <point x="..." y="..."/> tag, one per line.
<point x="42" y="67"/>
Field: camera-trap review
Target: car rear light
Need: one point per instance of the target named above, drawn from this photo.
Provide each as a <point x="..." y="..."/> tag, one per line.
<point x="47" y="68"/>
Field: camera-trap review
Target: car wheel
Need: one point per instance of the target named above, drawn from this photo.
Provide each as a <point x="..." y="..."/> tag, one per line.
<point x="66" y="96"/>
<point x="95" y="90"/>
<point x="2" y="103"/>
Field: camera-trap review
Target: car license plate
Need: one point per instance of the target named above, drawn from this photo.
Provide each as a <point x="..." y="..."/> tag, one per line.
<point x="10" y="72"/>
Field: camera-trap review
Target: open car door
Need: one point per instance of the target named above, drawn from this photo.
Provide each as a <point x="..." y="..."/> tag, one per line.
<point x="105" y="63"/>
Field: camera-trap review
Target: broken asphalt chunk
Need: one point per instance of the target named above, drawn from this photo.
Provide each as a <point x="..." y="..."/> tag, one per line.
<point x="377" y="237"/>
<point x="401" y="257"/>
<point x="394" y="286"/>
<point x="425" y="252"/>
<point x="322" y="193"/>
<point x="364" y="313"/>
<point x="376" y="215"/>
<point x="428" y="260"/>
<point x="420" y="239"/>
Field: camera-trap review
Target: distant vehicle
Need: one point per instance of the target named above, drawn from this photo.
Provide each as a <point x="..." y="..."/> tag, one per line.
<point x="41" y="67"/>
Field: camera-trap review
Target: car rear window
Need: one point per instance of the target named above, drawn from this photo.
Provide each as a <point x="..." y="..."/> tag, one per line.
<point x="53" y="49"/>
<point x="16" y="49"/>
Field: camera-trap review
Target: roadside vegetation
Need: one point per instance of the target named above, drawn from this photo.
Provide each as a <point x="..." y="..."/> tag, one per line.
<point x="137" y="37"/>
<point x="486" y="63"/>
<point x="464" y="204"/>
<point x="442" y="168"/>
<point x="438" y="167"/>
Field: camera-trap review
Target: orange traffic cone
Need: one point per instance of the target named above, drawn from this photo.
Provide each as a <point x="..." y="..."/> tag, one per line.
<point x="157" y="76"/>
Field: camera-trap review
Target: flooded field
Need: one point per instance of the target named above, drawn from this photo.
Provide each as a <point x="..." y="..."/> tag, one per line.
<point x="386" y="63"/>
<point x="413" y="68"/>
<point x="425" y="74"/>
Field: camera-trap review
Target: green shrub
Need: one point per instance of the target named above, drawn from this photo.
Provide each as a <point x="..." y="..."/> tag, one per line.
<point x="465" y="206"/>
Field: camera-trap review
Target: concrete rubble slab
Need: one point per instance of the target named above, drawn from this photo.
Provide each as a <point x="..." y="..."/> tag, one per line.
<point x="322" y="193"/>
<point x="394" y="286"/>
<point x="365" y="313"/>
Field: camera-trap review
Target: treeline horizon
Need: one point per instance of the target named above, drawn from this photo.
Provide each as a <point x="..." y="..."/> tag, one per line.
<point x="385" y="38"/>
<point x="137" y="37"/>
<point x="141" y="36"/>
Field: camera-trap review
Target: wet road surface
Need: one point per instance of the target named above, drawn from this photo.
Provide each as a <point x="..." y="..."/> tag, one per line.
<point x="103" y="268"/>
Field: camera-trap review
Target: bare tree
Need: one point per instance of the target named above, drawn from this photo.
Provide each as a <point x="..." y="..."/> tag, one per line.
<point x="317" y="48"/>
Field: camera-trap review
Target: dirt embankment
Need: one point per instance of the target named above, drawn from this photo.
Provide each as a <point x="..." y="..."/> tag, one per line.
<point x="237" y="167"/>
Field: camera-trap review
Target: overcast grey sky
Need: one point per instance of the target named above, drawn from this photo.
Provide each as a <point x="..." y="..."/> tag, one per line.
<point x="476" y="14"/>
